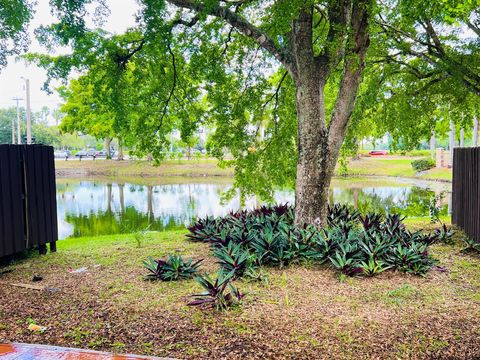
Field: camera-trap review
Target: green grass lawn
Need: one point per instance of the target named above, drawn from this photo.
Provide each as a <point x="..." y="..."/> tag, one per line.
<point x="388" y="166"/>
<point x="438" y="174"/>
<point x="394" y="166"/>
<point x="302" y="311"/>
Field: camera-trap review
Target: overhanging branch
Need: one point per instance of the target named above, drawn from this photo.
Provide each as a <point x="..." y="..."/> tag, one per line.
<point x="241" y="25"/>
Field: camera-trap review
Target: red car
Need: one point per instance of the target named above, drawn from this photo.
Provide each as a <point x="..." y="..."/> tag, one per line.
<point x="378" y="152"/>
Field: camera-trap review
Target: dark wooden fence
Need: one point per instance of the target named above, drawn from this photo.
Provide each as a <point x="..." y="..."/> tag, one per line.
<point x="466" y="191"/>
<point x="28" y="206"/>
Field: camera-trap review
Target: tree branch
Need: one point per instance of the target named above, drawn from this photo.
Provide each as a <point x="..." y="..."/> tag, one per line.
<point x="339" y="15"/>
<point x="352" y="71"/>
<point x="434" y="54"/>
<point x="241" y="25"/>
<point x="472" y="27"/>
<point x="190" y="23"/>
<point x="410" y="68"/>
<point x="429" y="84"/>
<point x="172" y="90"/>
<point x="122" y="60"/>
<point x="433" y="35"/>
<point x="302" y="41"/>
<point x="227" y="42"/>
<point x="275" y="94"/>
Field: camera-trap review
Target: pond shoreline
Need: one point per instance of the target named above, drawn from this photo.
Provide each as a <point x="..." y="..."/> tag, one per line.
<point x="445" y="181"/>
<point x="392" y="167"/>
<point x="130" y="168"/>
<point x="104" y="205"/>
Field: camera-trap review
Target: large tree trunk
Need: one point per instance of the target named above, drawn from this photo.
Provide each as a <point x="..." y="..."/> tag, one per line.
<point x="108" y="148"/>
<point x="314" y="167"/>
<point x="120" y="150"/>
<point x="318" y="144"/>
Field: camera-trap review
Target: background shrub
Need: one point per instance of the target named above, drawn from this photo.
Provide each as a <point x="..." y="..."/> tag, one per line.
<point x="423" y="164"/>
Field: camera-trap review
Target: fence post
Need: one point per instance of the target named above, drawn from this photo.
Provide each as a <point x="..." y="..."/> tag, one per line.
<point x="28" y="209"/>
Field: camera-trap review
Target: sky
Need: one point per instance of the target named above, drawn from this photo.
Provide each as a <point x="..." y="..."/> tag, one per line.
<point x="11" y="83"/>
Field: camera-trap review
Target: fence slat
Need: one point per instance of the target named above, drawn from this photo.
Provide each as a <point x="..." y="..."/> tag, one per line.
<point x="6" y="200"/>
<point x="466" y="191"/>
<point x="52" y="197"/>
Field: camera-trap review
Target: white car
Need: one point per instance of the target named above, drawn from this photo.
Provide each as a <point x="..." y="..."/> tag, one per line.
<point x="61" y="154"/>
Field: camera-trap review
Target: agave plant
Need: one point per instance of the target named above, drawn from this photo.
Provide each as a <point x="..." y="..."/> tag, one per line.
<point x="347" y="266"/>
<point x="219" y="293"/>
<point x="319" y="244"/>
<point x="242" y="231"/>
<point x="373" y="267"/>
<point x="274" y="246"/>
<point x="393" y="224"/>
<point x="341" y="214"/>
<point x="444" y="235"/>
<point x="279" y="210"/>
<point x="233" y="258"/>
<point x="222" y="238"/>
<point x="352" y="243"/>
<point x="472" y="245"/>
<point x="376" y="246"/>
<point x="412" y="259"/>
<point x="204" y="229"/>
<point x="371" y="222"/>
<point x="173" y="268"/>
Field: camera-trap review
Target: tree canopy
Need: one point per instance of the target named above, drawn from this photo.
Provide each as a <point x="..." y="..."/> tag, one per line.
<point x="279" y="81"/>
<point x="14" y="18"/>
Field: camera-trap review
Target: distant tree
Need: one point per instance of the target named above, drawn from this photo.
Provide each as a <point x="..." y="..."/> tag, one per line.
<point x="14" y="18"/>
<point x="72" y="141"/>
<point x="85" y="114"/>
<point x="6" y="117"/>
<point x="46" y="135"/>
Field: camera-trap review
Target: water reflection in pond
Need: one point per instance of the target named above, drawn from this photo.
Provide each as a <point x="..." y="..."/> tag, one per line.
<point x="88" y="208"/>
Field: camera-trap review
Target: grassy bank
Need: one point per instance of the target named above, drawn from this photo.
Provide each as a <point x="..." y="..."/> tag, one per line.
<point x="130" y="168"/>
<point x="394" y="166"/>
<point x="300" y="312"/>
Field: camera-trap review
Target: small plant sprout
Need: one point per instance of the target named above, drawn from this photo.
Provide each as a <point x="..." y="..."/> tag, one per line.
<point x="142" y="236"/>
<point x="220" y="293"/>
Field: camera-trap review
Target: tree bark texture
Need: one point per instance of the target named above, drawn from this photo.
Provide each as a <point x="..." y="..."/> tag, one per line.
<point x="319" y="141"/>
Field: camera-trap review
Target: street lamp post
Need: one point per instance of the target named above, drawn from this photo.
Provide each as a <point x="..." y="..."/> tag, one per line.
<point x="19" y="135"/>
<point x="29" y="115"/>
<point x="13" y="131"/>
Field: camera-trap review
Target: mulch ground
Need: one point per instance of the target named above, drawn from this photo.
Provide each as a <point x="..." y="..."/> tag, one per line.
<point x="301" y="313"/>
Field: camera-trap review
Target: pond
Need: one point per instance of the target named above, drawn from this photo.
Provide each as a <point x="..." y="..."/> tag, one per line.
<point x="100" y="207"/>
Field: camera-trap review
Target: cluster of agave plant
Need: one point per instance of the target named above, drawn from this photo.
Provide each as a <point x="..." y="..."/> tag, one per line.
<point x="173" y="268"/>
<point x="219" y="293"/>
<point x="245" y="241"/>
